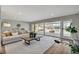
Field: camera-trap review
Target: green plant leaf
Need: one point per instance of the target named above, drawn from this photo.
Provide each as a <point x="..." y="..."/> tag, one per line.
<point x="71" y="29"/>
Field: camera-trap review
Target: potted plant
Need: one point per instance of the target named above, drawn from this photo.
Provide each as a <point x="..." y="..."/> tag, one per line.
<point x="72" y="30"/>
<point x="74" y="48"/>
<point x="73" y="45"/>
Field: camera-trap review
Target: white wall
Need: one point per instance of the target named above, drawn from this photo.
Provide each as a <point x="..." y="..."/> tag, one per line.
<point x="14" y="23"/>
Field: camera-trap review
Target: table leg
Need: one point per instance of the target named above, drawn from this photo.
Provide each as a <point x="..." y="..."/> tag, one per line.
<point x="27" y="42"/>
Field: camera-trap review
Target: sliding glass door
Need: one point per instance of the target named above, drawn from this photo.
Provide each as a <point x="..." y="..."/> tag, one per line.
<point x="39" y="28"/>
<point x="52" y="28"/>
<point x="56" y="28"/>
<point x="65" y="25"/>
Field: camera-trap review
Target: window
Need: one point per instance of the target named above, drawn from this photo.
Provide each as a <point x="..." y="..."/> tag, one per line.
<point x="52" y="28"/>
<point x="39" y="28"/>
<point x="65" y="25"/>
<point x="57" y="28"/>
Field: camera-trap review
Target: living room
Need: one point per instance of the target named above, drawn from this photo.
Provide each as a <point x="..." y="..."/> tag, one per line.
<point x="49" y="23"/>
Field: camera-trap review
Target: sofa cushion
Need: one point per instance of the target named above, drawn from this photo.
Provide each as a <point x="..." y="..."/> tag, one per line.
<point x="7" y="33"/>
<point x="14" y="34"/>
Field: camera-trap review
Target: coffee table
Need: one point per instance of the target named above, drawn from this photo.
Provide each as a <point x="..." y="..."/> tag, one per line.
<point x="28" y="39"/>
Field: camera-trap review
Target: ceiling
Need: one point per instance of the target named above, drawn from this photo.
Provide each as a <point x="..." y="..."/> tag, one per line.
<point x="30" y="13"/>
